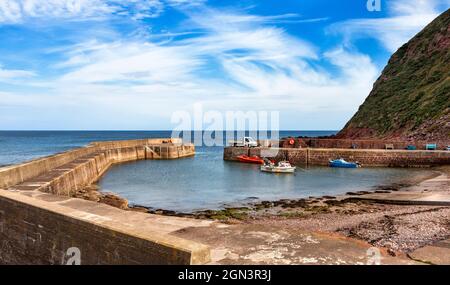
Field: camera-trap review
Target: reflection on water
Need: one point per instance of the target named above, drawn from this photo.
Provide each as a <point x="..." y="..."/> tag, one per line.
<point x="207" y="182"/>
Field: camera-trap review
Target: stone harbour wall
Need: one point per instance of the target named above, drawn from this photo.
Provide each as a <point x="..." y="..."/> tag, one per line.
<point x="358" y="144"/>
<point x="68" y="172"/>
<point x="367" y="157"/>
<point x="14" y="174"/>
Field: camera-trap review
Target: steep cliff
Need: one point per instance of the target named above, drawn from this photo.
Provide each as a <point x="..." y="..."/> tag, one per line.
<point x="411" y="98"/>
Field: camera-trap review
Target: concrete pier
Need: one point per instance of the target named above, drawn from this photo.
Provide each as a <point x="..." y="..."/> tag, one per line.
<point x="40" y="221"/>
<point x="67" y="172"/>
<point x="367" y="157"/>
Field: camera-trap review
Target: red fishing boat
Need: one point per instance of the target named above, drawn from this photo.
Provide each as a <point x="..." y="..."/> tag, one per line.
<point x="250" y="159"/>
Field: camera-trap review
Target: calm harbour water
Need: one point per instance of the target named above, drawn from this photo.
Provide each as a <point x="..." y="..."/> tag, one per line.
<point x="201" y="182"/>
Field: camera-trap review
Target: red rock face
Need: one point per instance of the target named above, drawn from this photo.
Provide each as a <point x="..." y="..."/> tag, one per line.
<point x="411" y="99"/>
<point x="440" y="42"/>
<point x="357" y="133"/>
<point x="437" y="130"/>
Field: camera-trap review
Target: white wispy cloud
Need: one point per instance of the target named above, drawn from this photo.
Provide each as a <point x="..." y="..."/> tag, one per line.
<point x="186" y="3"/>
<point x="133" y="62"/>
<point x="258" y="66"/>
<point x="231" y="60"/>
<point x="406" y="18"/>
<point x="12" y="74"/>
<point x="18" y="11"/>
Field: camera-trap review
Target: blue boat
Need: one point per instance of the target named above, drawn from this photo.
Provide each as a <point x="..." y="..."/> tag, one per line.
<point x="343" y="164"/>
<point x="431" y="146"/>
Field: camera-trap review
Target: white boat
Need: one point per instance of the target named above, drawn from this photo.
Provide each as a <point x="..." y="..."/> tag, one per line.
<point x="282" y="167"/>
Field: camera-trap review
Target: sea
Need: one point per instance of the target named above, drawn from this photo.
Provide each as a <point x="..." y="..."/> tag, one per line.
<point x="202" y="182"/>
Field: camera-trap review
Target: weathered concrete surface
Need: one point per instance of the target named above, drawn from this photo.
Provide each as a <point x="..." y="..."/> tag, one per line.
<point x="367" y="157"/>
<point x="258" y="244"/>
<point x="438" y="253"/>
<point x="39" y="228"/>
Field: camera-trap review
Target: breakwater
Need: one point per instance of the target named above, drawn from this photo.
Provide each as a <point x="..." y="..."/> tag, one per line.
<point x="355" y="143"/>
<point x="368" y="157"/>
<point x="67" y="172"/>
<point x="40" y="221"/>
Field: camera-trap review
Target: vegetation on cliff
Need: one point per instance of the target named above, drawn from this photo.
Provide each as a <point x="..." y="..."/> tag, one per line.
<point x="411" y="98"/>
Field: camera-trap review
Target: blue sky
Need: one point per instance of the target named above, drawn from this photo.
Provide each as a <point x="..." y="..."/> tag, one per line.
<point x="110" y="64"/>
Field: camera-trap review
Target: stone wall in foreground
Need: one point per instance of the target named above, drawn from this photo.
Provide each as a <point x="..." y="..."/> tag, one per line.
<point x="34" y="230"/>
<point x="37" y="232"/>
<point x="368" y="157"/>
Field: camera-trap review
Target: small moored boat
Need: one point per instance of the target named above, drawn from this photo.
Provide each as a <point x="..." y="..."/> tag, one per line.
<point x="250" y="159"/>
<point x="343" y="164"/>
<point x="282" y="167"/>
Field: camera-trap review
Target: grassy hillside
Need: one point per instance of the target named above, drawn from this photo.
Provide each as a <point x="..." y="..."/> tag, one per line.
<point x="411" y="99"/>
